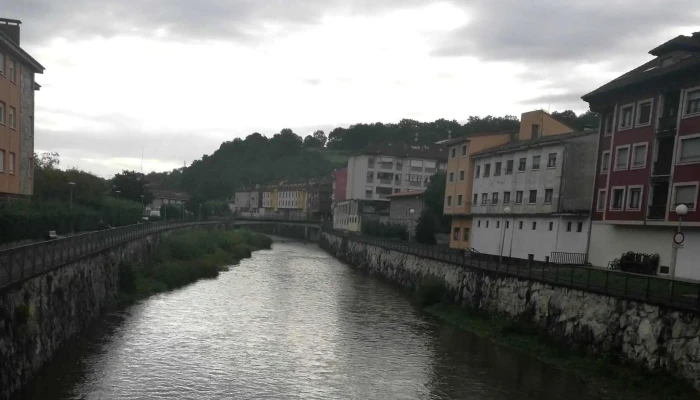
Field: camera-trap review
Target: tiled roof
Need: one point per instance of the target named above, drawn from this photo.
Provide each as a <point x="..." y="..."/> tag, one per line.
<point x="524" y="144"/>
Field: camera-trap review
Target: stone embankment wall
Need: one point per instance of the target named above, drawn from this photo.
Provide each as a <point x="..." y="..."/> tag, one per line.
<point x="659" y="338"/>
<point x="38" y="315"/>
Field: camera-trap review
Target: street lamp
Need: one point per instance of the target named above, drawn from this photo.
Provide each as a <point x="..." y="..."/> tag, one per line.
<point x="118" y="192"/>
<point x="200" y="212"/>
<point x="411" y="211"/>
<point x="681" y="210"/>
<point x="72" y="185"/>
<point x="183" y="210"/>
<point x="506" y="211"/>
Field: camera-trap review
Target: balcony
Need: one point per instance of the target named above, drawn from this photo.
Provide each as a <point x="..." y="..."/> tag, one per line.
<point x="667" y="126"/>
<point x="388" y="166"/>
<point x="662" y="167"/>
<point x="417" y="169"/>
<point x="386" y="181"/>
<point x="656" y="212"/>
<point x="413" y="183"/>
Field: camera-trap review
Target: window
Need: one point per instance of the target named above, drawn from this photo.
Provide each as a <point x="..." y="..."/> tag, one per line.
<point x="453" y="154"/>
<point x="644" y="113"/>
<point x="487" y="170"/>
<point x="626" y="116"/>
<point x="634" y="198"/>
<point x="498" y="224"/>
<point x="455" y="234"/>
<point x="601" y="200"/>
<point x="533" y="197"/>
<point x="548" y="193"/>
<point x="368" y="191"/>
<point x="466" y="234"/>
<point x="449" y="201"/>
<point x="506" y="197"/>
<point x="552" y="160"/>
<point x="11" y="70"/>
<point x="497" y="172"/>
<point x="551" y="225"/>
<point x="476" y="199"/>
<point x="605" y="162"/>
<point x="11" y="117"/>
<point x="535" y="131"/>
<point x="618" y="199"/>
<point x="509" y="167"/>
<point x="579" y="226"/>
<point x="521" y="164"/>
<point x="608" y="125"/>
<point x="639" y="155"/>
<point x="2" y="160"/>
<point x="507" y="224"/>
<point x="2" y="113"/>
<point x="464" y="153"/>
<point x="459" y="200"/>
<point x="692" y="102"/>
<point x="11" y="163"/>
<point x="520" y="225"/>
<point x="534" y="225"/>
<point x="519" y="197"/>
<point x="494" y="198"/>
<point x="478" y="224"/>
<point x="487" y="223"/>
<point x="689" y="151"/>
<point x="452" y="178"/>
<point x="461" y="177"/>
<point x="684" y="194"/>
<point x="568" y="226"/>
<point x="622" y="155"/>
<point x="478" y="171"/>
<point x="370" y="178"/>
<point x="484" y="198"/>
<point x="370" y="162"/>
<point x="535" y="162"/>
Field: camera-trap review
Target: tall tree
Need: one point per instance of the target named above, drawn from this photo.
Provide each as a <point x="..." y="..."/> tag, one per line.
<point x="131" y="185"/>
<point x="321" y="137"/>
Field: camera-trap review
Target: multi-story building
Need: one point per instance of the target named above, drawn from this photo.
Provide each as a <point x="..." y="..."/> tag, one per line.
<point x="349" y="214"/>
<point x="649" y="159"/>
<point x="340" y="182"/>
<point x="379" y="171"/>
<point x="17" y="86"/>
<point x="405" y="209"/>
<point x="533" y="197"/>
<point x="460" y="167"/>
<point x="310" y="199"/>
<point x="163" y="197"/>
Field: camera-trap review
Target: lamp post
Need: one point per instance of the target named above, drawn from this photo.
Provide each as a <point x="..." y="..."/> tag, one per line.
<point x="118" y="192"/>
<point x="411" y="212"/>
<point x="506" y="211"/>
<point x="200" y="212"/>
<point x="681" y="210"/>
<point x="183" y="210"/>
<point x="72" y="185"/>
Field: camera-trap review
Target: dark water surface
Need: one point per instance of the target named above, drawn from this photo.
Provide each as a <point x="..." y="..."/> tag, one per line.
<point x="290" y="323"/>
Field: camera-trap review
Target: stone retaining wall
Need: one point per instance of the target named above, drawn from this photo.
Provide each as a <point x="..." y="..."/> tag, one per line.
<point x="659" y="338"/>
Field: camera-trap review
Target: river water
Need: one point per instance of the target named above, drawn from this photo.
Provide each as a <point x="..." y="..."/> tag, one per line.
<point x="290" y="323"/>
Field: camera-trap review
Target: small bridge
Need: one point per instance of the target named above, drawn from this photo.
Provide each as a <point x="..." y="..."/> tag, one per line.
<point x="297" y="228"/>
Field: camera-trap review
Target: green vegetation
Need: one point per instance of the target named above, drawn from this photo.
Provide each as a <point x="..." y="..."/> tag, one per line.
<point x="608" y="377"/>
<point x="384" y="230"/>
<point x="185" y="257"/>
<point x="432" y="220"/>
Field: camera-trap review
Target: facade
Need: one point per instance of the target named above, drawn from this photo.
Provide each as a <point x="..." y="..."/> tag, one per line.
<point x="649" y="159"/>
<point x="340" y="182"/>
<point x="405" y="209"/>
<point x="380" y="171"/>
<point x="349" y="214"/>
<point x="165" y="197"/>
<point x="532" y="197"/>
<point x="460" y="167"/>
<point x="17" y="87"/>
<point x="310" y="199"/>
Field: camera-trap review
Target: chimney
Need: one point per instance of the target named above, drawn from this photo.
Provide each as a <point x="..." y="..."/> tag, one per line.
<point x="10" y="27"/>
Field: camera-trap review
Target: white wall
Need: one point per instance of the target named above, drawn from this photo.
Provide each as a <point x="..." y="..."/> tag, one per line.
<point x="520" y="242"/>
<point x="609" y="241"/>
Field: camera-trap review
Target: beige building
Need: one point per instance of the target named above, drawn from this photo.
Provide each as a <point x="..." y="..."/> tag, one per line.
<point x="460" y="167"/>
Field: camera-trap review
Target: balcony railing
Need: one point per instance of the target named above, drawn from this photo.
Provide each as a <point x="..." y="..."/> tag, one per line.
<point x="386" y="165"/>
<point x="386" y="181"/>
<point x="657" y="212"/>
<point x="667" y="125"/>
<point x="662" y="167"/>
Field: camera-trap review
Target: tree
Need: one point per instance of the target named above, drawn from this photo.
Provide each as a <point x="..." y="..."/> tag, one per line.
<point x="321" y="137"/>
<point x="131" y="185"/>
<point x="311" y="142"/>
<point x="425" y="228"/>
<point x="434" y="198"/>
<point x="46" y="160"/>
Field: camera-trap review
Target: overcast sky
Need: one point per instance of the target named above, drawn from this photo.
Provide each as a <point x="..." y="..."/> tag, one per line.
<point x="178" y="77"/>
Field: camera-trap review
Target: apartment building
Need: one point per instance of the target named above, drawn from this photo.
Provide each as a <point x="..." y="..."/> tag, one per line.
<point x="380" y="171"/>
<point x="340" y="183"/>
<point x="17" y="87"/>
<point x="532" y="197"/>
<point x="649" y="159"/>
<point x="349" y="214"/>
<point x="405" y="209"/>
<point x="310" y="199"/>
<point x="460" y="167"/>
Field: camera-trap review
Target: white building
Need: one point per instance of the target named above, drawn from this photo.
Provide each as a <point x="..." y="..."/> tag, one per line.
<point x="349" y="214"/>
<point x="547" y="183"/>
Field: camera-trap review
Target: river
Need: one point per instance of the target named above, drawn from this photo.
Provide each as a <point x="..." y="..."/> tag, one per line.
<point x="290" y="323"/>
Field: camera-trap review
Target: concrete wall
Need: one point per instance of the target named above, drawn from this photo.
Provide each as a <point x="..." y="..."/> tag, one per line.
<point x="579" y="173"/>
<point x="657" y="338"/>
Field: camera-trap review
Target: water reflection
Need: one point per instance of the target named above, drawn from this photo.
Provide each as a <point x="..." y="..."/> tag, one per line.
<point x="290" y="323"/>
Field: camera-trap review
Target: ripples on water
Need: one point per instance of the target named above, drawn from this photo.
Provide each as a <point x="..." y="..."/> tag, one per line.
<point x="289" y="323"/>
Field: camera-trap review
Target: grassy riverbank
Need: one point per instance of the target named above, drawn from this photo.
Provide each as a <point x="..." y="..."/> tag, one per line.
<point x="186" y="257"/>
<point x="609" y="378"/>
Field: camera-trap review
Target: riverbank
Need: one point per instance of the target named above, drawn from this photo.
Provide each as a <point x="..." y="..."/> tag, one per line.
<point x="186" y="257"/>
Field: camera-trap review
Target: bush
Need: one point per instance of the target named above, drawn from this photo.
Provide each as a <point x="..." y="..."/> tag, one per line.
<point x="385" y="230"/>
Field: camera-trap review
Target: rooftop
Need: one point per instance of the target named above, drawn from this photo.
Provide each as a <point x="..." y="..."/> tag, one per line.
<point x="414" y="193"/>
<point x="405" y="150"/>
<point x="527" y="144"/>
<point x="9" y="42"/>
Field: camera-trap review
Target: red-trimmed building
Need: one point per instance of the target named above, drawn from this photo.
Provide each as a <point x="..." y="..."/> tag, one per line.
<point x="649" y="159"/>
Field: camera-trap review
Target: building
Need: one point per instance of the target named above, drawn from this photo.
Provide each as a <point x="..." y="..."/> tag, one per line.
<point x="348" y="215"/>
<point x="17" y="87"/>
<point x="532" y="197"/>
<point x="405" y="209"/>
<point x="460" y="167"/>
<point x="649" y="159"/>
<point x="380" y="171"/>
<point x="163" y="197"/>
<point x="310" y="199"/>
<point x="340" y="182"/>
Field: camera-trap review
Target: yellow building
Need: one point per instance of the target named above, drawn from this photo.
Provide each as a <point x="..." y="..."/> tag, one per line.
<point x="460" y="167"/>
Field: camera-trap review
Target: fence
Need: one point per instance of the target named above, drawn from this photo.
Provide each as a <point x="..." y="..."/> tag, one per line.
<point x="19" y="263"/>
<point x="677" y="294"/>
<point x="560" y="257"/>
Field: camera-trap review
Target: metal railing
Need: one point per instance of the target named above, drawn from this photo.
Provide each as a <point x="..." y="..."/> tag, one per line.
<point x="560" y="257"/>
<point x="656" y="211"/>
<point x="678" y="294"/>
<point x="20" y="263"/>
